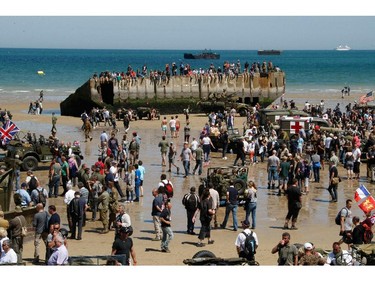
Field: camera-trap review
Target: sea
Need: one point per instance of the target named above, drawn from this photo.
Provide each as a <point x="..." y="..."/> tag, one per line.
<point x="65" y="70"/>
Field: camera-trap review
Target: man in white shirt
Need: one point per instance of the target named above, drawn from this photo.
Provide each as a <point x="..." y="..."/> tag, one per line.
<point x="240" y="242"/>
<point x="338" y="256"/>
<point x="194" y="145"/>
<point x="215" y="202"/>
<point x="69" y="196"/>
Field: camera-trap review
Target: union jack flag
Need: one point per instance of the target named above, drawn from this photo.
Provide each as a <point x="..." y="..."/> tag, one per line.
<point x="7" y="132"/>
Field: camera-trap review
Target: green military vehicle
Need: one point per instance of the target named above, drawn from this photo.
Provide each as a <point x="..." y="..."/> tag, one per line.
<point x="223" y="102"/>
<point x="233" y="136"/>
<point x="221" y="176"/>
<point x="143" y="112"/>
<point x="274" y="115"/>
<point x="32" y="151"/>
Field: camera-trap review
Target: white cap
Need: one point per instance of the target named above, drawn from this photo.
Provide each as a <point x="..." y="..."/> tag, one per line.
<point x="308" y="246"/>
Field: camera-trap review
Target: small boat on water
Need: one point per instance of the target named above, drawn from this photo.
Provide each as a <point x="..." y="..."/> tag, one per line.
<point x="269" y="52"/>
<point x="204" y="55"/>
<point x="343" y="48"/>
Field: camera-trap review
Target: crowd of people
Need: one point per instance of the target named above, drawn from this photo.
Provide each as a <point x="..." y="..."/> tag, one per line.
<point x="291" y="162"/>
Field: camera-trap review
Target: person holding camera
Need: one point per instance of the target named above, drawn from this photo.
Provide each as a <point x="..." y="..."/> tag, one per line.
<point x="123" y="247"/>
<point x="288" y="253"/>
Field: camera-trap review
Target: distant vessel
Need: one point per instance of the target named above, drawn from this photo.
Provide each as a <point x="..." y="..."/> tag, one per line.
<point x="204" y="55"/>
<point x="269" y="52"/>
<point x="343" y="48"/>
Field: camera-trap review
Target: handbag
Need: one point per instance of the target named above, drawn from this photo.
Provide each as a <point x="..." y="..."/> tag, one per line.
<point x="335" y="180"/>
<point x="23" y="228"/>
<point x="316" y="164"/>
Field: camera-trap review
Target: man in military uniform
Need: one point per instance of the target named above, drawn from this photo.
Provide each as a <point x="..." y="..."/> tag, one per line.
<point x="218" y="181"/>
<point x="103" y="205"/>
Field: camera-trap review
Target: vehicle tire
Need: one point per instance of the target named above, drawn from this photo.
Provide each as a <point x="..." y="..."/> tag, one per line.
<point x="204" y="254"/>
<point x="30" y="163"/>
<point x="242" y="112"/>
<point x="240" y="185"/>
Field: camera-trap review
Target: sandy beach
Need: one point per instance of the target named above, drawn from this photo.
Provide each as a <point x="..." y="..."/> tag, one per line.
<point x="315" y="223"/>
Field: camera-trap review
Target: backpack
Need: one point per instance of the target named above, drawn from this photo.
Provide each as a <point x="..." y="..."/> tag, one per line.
<point x="367" y="234"/>
<point x="33" y="183"/>
<point x="249" y="244"/>
<point x="168" y="189"/>
<point x="41" y="197"/>
<point x="190" y="201"/>
<point x="17" y="199"/>
<point x="338" y="217"/>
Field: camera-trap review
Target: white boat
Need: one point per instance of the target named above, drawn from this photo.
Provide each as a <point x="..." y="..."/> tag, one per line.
<point x="343" y="48"/>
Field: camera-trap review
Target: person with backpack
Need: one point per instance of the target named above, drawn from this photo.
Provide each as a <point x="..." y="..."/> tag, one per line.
<point x="32" y="181"/>
<point x="39" y="195"/>
<point x="246" y="242"/>
<point x="346" y="223"/>
<point x="165" y="187"/>
<point x="191" y="202"/>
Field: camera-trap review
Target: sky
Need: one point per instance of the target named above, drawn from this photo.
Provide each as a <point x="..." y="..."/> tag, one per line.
<point x="188" y="32"/>
<point x="165" y="25"/>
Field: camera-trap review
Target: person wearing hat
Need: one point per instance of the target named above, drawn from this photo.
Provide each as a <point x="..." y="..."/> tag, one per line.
<point x="123" y="247"/>
<point x="15" y="232"/>
<point x="309" y="256"/>
<point x="54" y="177"/>
<point x="240" y="242"/>
<point x="8" y="255"/>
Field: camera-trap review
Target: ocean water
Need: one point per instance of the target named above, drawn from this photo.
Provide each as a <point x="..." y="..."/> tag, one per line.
<point x="67" y="69"/>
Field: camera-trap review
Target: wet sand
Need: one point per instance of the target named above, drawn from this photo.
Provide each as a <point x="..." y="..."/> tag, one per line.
<point x="315" y="223"/>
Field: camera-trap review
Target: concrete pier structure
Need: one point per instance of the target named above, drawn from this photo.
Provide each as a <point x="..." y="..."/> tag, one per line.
<point x="247" y="88"/>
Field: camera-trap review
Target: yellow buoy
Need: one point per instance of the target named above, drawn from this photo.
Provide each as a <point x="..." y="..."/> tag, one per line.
<point x="41" y="72"/>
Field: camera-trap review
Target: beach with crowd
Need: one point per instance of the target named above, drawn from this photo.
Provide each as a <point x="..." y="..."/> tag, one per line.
<point x="179" y="151"/>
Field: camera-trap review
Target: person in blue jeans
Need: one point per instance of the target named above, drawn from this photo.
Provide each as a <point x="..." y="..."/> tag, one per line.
<point x="273" y="165"/>
<point x="231" y="206"/>
<point x="165" y="220"/>
<point x="137" y="182"/>
<point x="251" y="203"/>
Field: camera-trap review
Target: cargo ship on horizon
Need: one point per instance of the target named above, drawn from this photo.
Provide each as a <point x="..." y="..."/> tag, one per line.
<point x="269" y="52"/>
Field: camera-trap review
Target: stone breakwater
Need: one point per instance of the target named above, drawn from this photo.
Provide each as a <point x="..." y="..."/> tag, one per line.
<point x="247" y="88"/>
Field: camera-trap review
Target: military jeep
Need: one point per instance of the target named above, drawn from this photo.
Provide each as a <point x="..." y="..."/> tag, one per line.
<point x="32" y="151"/>
<point x="143" y="112"/>
<point x="221" y="176"/>
<point x="233" y="137"/>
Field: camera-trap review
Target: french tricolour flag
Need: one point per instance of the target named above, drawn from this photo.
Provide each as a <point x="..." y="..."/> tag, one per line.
<point x="361" y="193"/>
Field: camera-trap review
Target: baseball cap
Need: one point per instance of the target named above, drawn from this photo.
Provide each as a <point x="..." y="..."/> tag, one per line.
<point x="308" y="246"/>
